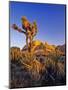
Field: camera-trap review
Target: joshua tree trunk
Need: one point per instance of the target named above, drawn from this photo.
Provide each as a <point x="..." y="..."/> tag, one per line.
<point x="27" y="41"/>
<point x="30" y="44"/>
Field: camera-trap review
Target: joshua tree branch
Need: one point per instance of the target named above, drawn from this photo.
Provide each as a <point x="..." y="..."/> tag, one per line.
<point x="15" y="27"/>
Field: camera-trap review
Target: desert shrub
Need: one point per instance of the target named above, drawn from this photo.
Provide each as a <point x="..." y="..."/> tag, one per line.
<point x="54" y="73"/>
<point x="14" y="53"/>
<point x="38" y="70"/>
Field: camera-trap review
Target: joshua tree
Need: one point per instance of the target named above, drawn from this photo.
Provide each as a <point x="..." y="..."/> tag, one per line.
<point x="29" y="29"/>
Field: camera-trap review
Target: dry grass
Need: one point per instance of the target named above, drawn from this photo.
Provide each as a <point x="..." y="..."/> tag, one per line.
<point x="49" y="72"/>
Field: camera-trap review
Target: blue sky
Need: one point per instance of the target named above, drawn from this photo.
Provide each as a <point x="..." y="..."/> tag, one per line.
<point x="50" y="21"/>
